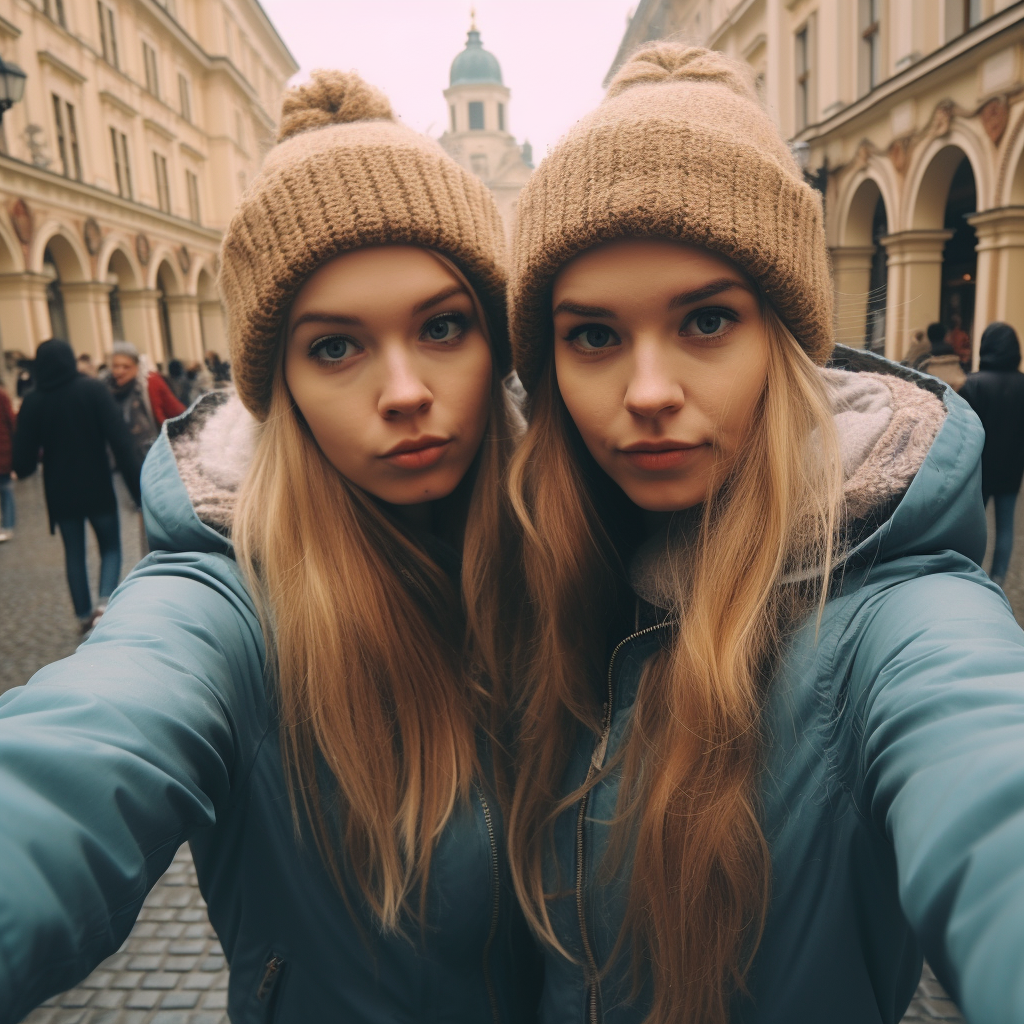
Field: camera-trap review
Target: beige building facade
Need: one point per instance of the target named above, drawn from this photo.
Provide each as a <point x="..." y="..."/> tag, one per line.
<point x="479" y="132"/>
<point x="141" y="123"/>
<point x="909" y="116"/>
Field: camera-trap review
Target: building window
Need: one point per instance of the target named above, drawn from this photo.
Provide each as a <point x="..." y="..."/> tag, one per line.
<point x="122" y="168"/>
<point x="152" y="77"/>
<point x="185" y="96"/>
<point x="972" y="13"/>
<point x="452" y="108"/>
<point x="163" y="188"/>
<point x="501" y="117"/>
<point x="478" y="164"/>
<point x="870" y="45"/>
<point x="54" y="10"/>
<point x="192" y="187"/>
<point x="804" y="63"/>
<point x="67" y="138"/>
<point x="476" y="116"/>
<point x="108" y="33"/>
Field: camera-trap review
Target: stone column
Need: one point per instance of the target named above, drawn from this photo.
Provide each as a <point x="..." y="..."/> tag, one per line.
<point x="999" y="294"/>
<point x="214" y="334"/>
<point x="186" y="332"/>
<point x="851" y="277"/>
<point x="140" y="313"/>
<point x="915" y="285"/>
<point x="86" y="305"/>
<point x="24" y="316"/>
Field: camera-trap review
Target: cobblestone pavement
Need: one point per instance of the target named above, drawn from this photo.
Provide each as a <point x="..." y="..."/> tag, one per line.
<point x="171" y="969"/>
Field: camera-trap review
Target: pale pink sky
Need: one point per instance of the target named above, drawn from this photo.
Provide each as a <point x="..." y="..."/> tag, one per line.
<point x="553" y="53"/>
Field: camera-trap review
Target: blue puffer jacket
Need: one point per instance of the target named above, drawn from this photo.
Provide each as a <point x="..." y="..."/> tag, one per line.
<point x="159" y="730"/>
<point x="893" y="789"/>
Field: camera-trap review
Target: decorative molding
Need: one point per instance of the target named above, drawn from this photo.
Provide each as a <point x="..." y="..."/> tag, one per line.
<point x="184" y="259"/>
<point x="113" y="100"/>
<point x="159" y="129"/>
<point x="192" y="151"/>
<point x="761" y="39"/>
<point x="45" y="57"/>
<point x="21" y="219"/>
<point x="142" y="248"/>
<point x="93" y="235"/>
<point x="9" y="29"/>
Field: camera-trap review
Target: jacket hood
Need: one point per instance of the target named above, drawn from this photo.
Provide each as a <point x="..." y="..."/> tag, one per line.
<point x="191" y="477"/>
<point x="911" y="451"/>
<point x="54" y="365"/>
<point x="1000" y="349"/>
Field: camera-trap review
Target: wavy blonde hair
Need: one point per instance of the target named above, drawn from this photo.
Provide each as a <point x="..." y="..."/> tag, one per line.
<point x="756" y="558"/>
<point x="383" y="670"/>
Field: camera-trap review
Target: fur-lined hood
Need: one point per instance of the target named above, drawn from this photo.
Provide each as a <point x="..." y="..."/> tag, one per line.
<point x="910" y="451"/>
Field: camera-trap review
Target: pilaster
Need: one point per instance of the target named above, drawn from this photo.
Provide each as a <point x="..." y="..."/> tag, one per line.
<point x="999" y="294"/>
<point x="851" y="276"/>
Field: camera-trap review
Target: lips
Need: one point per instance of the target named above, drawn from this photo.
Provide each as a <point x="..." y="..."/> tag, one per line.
<point x="417" y="452"/>
<point x="661" y="455"/>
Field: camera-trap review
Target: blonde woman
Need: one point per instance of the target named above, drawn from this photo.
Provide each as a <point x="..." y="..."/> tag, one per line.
<point x="302" y="679"/>
<point x="771" y="741"/>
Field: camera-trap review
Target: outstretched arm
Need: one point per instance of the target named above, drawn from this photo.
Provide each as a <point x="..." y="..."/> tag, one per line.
<point x="110" y="759"/>
<point x="938" y="681"/>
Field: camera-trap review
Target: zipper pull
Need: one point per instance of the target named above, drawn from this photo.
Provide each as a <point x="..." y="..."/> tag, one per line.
<point x="597" y="758"/>
<point x="270" y="972"/>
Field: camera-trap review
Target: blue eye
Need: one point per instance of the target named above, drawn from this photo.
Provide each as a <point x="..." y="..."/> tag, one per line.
<point x="592" y="337"/>
<point x="444" y="328"/>
<point x="335" y="349"/>
<point x="708" y="323"/>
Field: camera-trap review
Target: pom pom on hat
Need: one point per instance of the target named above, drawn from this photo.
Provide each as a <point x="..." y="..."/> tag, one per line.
<point x="331" y="97"/>
<point x="664" y="63"/>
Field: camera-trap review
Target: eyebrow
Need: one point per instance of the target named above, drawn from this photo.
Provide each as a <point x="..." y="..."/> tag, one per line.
<point x="705" y="291"/>
<point x="354" y="321"/>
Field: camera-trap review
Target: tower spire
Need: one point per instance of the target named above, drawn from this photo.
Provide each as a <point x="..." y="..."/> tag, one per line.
<point x="472" y="20"/>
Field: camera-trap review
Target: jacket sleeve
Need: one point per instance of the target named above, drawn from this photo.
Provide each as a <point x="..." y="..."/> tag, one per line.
<point x="937" y="683"/>
<point x="110" y="759"/>
<point x="115" y="430"/>
<point x="25" y="457"/>
<point x="161" y="398"/>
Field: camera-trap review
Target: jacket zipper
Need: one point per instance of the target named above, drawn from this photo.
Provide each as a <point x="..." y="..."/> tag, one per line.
<point x="596" y="762"/>
<point x="496" y="892"/>
<point x="270" y="975"/>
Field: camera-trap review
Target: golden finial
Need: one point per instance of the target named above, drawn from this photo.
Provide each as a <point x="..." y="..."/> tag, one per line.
<point x="472" y="20"/>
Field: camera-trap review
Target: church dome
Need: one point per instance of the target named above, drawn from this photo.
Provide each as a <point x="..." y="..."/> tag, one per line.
<point x="475" y="65"/>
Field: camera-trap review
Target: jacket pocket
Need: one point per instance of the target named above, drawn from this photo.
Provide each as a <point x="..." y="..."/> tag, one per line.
<point x="268" y="988"/>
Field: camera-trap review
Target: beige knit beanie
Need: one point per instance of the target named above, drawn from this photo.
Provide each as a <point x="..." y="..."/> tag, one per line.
<point x="680" y="148"/>
<point x="344" y="175"/>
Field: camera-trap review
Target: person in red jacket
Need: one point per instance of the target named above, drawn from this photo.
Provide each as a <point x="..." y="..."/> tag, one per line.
<point x="7" y="421"/>
<point x="145" y="400"/>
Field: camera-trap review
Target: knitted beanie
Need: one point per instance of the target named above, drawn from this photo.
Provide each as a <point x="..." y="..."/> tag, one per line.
<point x="681" y="149"/>
<point x="345" y="175"/>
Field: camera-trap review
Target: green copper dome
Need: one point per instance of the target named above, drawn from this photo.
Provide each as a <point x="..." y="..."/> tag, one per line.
<point x="475" y="64"/>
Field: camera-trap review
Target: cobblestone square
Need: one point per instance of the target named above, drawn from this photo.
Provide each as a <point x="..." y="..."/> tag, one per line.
<point x="171" y="969"/>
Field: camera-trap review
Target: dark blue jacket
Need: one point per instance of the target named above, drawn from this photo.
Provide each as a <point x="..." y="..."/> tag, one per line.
<point x="892" y="792"/>
<point x="159" y="730"/>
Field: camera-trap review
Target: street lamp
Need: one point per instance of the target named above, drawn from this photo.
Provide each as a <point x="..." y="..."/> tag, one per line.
<point x="12" y="85"/>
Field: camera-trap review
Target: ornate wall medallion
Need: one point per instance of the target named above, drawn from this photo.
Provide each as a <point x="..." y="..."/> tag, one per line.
<point x="142" y="249"/>
<point x="184" y="259"/>
<point x="21" y="218"/>
<point x="93" y="236"/>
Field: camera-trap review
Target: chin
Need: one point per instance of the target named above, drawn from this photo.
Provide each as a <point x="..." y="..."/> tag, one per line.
<point x="416" y="492"/>
<point x="665" y="498"/>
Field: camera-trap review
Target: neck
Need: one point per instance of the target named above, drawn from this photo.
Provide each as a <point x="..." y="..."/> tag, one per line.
<point x="419" y="516"/>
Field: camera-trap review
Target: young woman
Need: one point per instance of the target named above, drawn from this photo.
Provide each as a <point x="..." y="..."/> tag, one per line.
<point x="771" y="743"/>
<point x="302" y="678"/>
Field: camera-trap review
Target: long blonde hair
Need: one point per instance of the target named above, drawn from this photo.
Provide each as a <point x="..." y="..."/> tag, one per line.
<point x="758" y="557"/>
<point x="382" y="671"/>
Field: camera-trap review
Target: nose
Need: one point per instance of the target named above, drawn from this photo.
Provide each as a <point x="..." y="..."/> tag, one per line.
<point x="652" y="389"/>
<point x="404" y="392"/>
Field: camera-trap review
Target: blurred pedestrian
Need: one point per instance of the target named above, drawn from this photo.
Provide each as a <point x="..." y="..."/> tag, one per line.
<point x="7" y="424"/>
<point x="85" y="365"/>
<point x="71" y="419"/>
<point x="996" y="394"/>
<point x="920" y="349"/>
<point x="144" y="398"/>
<point x="179" y="383"/>
<point x="942" y="362"/>
<point x="200" y="378"/>
<point x="960" y="342"/>
<point x="220" y="370"/>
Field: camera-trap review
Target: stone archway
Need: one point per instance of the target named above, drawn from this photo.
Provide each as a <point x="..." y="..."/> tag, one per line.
<point x="68" y="316"/>
<point x="860" y="270"/>
<point x="211" y="314"/>
<point x="168" y="285"/>
<point x="123" y="278"/>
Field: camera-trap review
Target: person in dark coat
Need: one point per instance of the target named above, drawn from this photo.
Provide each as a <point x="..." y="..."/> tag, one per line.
<point x="996" y="394"/>
<point x="7" y="509"/>
<point x="70" y="419"/>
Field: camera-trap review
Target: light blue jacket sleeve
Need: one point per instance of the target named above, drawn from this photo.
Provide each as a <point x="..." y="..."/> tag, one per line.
<point x="111" y="758"/>
<point x="937" y="686"/>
